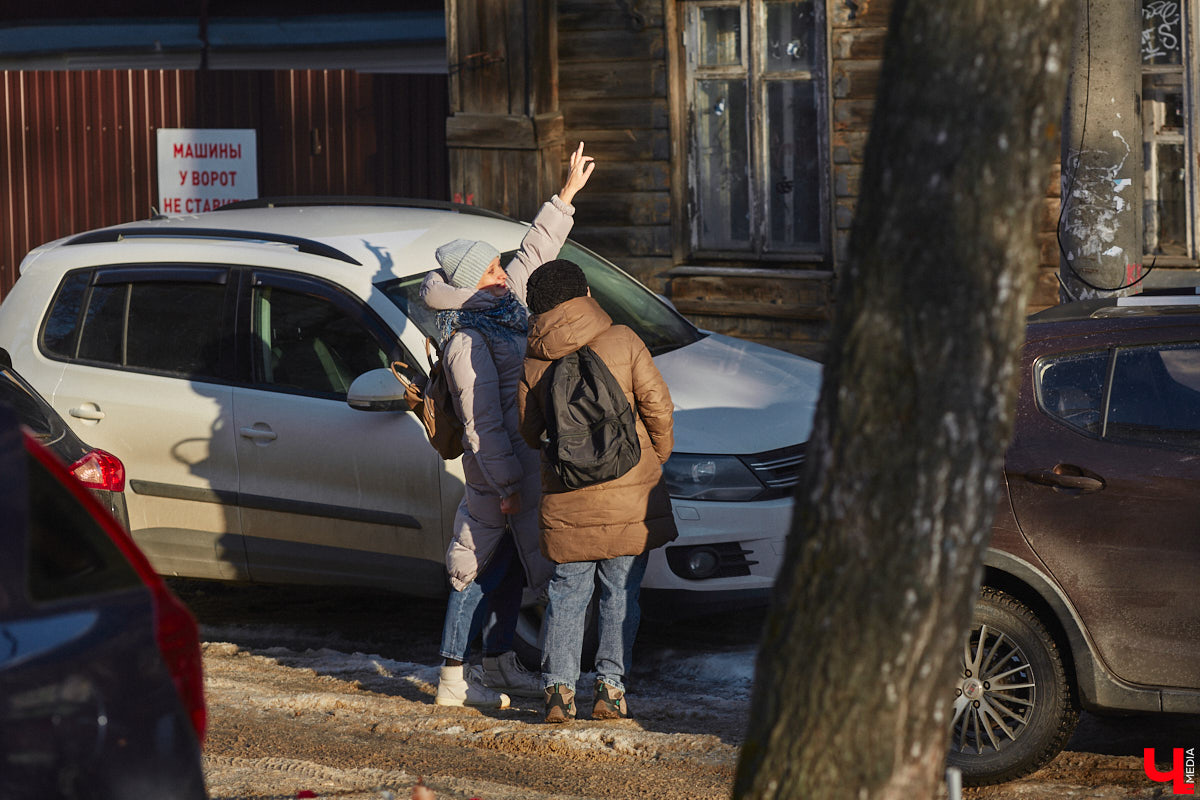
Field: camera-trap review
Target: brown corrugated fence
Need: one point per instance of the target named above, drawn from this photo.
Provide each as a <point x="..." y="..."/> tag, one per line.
<point x="77" y="149"/>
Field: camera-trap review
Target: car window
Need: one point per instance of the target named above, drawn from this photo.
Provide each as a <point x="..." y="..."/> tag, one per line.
<point x="169" y="326"/>
<point x="625" y="300"/>
<point x="306" y="342"/>
<point x="60" y="333"/>
<point x="1156" y="395"/>
<point x="1071" y="388"/>
<point x="70" y="554"/>
<point x="32" y="411"/>
<point x="661" y="327"/>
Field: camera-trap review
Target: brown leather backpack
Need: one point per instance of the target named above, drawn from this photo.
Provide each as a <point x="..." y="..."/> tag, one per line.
<point x="430" y="399"/>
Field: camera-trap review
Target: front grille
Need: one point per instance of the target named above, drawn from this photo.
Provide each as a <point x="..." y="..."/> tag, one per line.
<point x="779" y="470"/>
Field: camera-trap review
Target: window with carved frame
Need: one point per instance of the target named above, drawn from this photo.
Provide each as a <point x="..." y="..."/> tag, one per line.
<point x="757" y="164"/>
<point x="1168" y="107"/>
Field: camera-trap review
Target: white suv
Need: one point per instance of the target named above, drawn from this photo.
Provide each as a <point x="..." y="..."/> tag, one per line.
<point x="216" y="354"/>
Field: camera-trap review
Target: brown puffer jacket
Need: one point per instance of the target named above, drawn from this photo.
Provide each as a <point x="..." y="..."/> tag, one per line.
<point x="631" y="514"/>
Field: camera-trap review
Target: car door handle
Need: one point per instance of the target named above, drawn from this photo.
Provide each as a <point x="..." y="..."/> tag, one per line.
<point x="1080" y="483"/>
<point x="258" y="434"/>
<point x="88" y="411"/>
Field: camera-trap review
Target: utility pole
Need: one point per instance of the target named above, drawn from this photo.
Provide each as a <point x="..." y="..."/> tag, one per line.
<point x="1100" y="225"/>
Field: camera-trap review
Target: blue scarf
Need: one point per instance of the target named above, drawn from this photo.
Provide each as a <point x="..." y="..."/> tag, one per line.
<point x="506" y="318"/>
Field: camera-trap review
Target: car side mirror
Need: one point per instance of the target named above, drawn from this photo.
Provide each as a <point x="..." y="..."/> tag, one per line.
<point x="377" y="390"/>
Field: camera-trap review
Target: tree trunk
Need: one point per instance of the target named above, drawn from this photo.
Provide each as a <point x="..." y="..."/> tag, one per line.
<point x="855" y="673"/>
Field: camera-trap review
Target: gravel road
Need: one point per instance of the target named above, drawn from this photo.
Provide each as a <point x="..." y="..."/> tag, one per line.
<point x="330" y="692"/>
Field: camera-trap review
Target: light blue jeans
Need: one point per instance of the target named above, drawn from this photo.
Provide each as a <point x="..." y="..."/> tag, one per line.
<point x="620" y="581"/>
<point x="499" y="583"/>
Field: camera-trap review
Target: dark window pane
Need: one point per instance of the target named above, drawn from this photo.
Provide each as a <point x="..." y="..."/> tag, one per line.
<point x="1156" y="396"/>
<point x="69" y="553"/>
<point x="32" y="411"/>
<point x="720" y="36"/>
<point x="1166" y="204"/>
<point x="62" y="323"/>
<point x="104" y="325"/>
<point x="794" y="197"/>
<point x="306" y="342"/>
<point x="1162" y="32"/>
<point x="791" y="36"/>
<point x="722" y="172"/>
<point x="1071" y="388"/>
<point x="176" y="327"/>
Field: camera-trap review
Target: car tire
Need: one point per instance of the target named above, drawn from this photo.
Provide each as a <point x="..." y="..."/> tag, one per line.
<point x="528" y="641"/>
<point x="1001" y="731"/>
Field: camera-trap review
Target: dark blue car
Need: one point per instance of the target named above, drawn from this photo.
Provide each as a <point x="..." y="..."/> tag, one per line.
<point x="101" y="691"/>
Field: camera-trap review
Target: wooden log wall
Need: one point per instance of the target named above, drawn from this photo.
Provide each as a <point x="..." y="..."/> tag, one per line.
<point x="616" y="91"/>
<point x="612" y="91"/>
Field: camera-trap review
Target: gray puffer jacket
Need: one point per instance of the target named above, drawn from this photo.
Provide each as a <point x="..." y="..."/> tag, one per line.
<point x="483" y="375"/>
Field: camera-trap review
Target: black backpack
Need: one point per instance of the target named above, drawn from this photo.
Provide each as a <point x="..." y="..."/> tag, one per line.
<point x="591" y="430"/>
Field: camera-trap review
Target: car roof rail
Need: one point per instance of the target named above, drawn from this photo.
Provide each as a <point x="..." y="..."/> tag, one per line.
<point x="293" y="201"/>
<point x="163" y="232"/>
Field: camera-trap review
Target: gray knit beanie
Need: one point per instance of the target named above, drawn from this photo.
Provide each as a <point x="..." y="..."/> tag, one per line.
<point x="464" y="261"/>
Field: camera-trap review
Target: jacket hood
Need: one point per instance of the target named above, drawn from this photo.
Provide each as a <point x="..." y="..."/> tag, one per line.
<point x="566" y="328"/>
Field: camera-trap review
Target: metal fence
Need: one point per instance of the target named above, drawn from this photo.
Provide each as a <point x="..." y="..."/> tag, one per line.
<point x="77" y="149"/>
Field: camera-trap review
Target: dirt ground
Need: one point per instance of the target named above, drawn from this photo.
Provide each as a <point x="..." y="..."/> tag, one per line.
<point x="329" y="693"/>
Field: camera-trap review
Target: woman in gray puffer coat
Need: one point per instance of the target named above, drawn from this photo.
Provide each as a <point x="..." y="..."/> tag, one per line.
<point x="482" y="324"/>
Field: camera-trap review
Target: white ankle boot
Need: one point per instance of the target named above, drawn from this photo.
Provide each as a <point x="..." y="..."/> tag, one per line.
<point x="459" y="686"/>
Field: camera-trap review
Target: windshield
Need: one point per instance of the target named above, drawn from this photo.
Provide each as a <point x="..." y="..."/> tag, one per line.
<point x="628" y="302"/>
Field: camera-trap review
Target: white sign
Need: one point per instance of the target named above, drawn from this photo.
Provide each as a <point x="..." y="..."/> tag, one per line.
<point x="202" y="169"/>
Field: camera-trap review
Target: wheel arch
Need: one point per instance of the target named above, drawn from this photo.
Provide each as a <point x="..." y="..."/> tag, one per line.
<point x="1094" y="686"/>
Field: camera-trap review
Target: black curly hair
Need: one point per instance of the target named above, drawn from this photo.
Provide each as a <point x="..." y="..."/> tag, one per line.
<point x="555" y="282"/>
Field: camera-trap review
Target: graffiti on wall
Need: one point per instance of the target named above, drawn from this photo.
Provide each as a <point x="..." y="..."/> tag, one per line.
<point x="1162" y="32"/>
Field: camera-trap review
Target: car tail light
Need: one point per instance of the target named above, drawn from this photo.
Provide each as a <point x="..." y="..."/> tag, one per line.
<point x="175" y="627"/>
<point x="100" y="470"/>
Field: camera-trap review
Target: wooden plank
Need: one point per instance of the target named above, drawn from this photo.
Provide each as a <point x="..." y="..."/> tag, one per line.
<point x="843" y="211"/>
<point x="859" y="13"/>
<point x="813" y="290"/>
<point x="857" y="43"/>
<point x="622" y="144"/>
<point x="616" y="114"/>
<point x="613" y="79"/>
<point x="621" y="243"/>
<point x="576" y="15"/>
<point x="1049" y="253"/>
<point x="629" y="176"/>
<point x="853" y="115"/>
<point x="855" y="80"/>
<point x="724" y="307"/>
<point x="846" y="179"/>
<point x="626" y="208"/>
<point x="613" y="44"/>
<point x="1047" y="215"/>
<point x="491" y="131"/>
<point x="849" y="147"/>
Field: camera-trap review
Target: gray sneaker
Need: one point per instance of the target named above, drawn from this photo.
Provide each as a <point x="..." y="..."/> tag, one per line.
<point x="459" y="686"/>
<point x="505" y="673"/>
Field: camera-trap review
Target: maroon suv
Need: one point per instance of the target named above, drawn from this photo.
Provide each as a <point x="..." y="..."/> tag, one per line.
<point x="1091" y="589"/>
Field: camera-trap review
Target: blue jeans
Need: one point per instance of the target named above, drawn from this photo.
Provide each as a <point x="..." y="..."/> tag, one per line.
<point x="500" y="583"/>
<point x="570" y="592"/>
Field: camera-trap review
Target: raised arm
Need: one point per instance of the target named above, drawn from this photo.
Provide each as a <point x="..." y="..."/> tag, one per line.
<point x="551" y="225"/>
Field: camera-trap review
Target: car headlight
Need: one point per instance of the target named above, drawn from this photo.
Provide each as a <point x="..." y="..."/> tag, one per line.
<point x="697" y="477"/>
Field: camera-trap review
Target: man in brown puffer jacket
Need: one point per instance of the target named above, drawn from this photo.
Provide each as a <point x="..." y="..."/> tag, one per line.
<point x="606" y="529"/>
